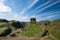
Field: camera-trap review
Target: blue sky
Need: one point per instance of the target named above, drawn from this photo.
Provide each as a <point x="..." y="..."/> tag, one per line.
<point x="23" y="10"/>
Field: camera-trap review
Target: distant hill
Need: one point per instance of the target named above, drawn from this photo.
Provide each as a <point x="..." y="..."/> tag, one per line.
<point x="3" y="20"/>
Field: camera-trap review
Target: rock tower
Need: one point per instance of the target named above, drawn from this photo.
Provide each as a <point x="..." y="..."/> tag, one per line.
<point x="33" y="20"/>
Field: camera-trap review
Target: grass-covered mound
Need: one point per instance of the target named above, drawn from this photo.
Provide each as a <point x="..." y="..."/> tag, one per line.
<point x="32" y="30"/>
<point x="3" y="26"/>
<point x="4" y="29"/>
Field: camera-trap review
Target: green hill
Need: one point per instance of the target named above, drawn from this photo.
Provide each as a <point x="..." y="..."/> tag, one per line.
<point x="49" y="30"/>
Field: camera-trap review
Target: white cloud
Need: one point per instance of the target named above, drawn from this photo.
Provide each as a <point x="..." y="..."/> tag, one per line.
<point x="45" y="7"/>
<point x="5" y="11"/>
<point x="41" y="6"/>
<point x="23" y="18"/>
<point x="48" y="6"/>
<point x="30" y="5"/>
<point x="48" y="17"/>
<point x="4" y="8"/>
<point x="2" y="1"/>
<point x="49" y="13"/>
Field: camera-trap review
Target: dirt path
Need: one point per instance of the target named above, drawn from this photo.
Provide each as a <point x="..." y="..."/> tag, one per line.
<point x="19" y="30"/>
<point x="46" y="37"/>
<point x="53" y="37"/>
<point x="27" y="38"/>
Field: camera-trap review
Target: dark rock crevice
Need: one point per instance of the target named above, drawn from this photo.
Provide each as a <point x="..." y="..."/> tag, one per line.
<point x="46" y="32"/>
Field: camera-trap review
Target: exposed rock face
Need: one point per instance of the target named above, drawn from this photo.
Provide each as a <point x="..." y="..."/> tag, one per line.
<point x="45" y="33"/>
<point x="6" y="32"/>
<point x="17" y="24"/>
<point x="33" y="20"/>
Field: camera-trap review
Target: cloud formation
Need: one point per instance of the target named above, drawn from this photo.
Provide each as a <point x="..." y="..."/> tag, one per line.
<point x="30" y="5"/>
<point x="11" y="10"/>
<point x="4" y="8"/>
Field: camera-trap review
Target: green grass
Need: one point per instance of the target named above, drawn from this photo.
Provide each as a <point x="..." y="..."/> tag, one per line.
<point x="2" y="29"/>
<point x="55" y="32"/>
<point x="32" y="30"/>
<point x="54" y="29"/>
<point x="3" y="26"/>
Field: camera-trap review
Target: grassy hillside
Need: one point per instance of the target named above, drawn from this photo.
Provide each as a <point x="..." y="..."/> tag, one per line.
<point x="54" y="29"/>
<point x="3" y="26"/>
<point x="33" y="29"/>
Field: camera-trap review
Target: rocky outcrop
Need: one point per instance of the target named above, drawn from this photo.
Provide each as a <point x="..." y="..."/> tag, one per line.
<point x="17" y="25"/>
<point x="6" y="32"/>
<point x="33" y="20"/>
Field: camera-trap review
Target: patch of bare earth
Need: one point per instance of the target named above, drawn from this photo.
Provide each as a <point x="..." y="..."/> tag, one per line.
<point x="27" y="38"/>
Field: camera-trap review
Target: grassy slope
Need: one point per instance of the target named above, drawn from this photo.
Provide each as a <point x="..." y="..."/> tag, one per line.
<point x="36" y="29"/>
<point x="3" y="26"/>
<point x="54" y="29"/>
<point x="32" y="30"/>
